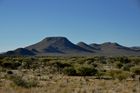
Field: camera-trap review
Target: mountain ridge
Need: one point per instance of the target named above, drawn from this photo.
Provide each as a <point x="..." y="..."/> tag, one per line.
<point x="62" y="46"/>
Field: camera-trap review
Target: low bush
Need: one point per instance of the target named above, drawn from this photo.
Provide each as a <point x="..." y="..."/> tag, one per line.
<point x="70" y="71"/>
<point x="135" y="70"/>
<point x="119" y="64"/>
<point x="11" y="65"/>
<point x="122" y="76"/>
<point x="85" y="70"/>
<point x="118" y="74"/>
<point x="19" y="81"/>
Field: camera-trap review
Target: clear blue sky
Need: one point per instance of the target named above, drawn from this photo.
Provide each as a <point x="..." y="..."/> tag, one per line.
<point x="25" y="22"/>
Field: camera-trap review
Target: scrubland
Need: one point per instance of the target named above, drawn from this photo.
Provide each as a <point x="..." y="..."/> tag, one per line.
<point x="69" y="74"/>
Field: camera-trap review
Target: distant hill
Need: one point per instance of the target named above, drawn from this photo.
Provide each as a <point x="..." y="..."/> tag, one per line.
<point x="19" y="51"/>
<point x="56" y="46"/>
<point x="136" y="48"/>
<point x="114" y="49"/>
<point x="86" y="46"/>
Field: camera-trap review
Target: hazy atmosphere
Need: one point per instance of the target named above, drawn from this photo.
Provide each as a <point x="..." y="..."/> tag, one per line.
<point x="25" y="22"/>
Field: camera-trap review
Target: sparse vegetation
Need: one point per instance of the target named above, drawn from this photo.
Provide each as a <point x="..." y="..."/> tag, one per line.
<point x="69" y="74"/>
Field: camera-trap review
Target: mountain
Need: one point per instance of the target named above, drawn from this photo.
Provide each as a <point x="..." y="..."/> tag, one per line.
<point x="114" y="49"/>
<point x="86" y="46"/>
<point x="56" y="45"/>
<point x="18" y="52"/>
<point x="61" y="46"/>
<point x="136" y="48"/>
<point x="95" y="46"/>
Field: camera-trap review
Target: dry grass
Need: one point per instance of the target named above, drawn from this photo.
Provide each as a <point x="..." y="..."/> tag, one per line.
<point x="67" y="84"/>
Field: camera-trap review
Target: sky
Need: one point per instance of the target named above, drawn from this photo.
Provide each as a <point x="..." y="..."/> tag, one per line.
<point x="25" y="22"/>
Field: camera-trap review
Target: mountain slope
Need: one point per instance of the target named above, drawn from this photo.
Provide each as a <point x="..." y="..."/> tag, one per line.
<point x="19" y="52"/>
<point x="136" y="48"/>
<point x="86" y="46"/>
<point x="57" y="46"/>
<point x="114" y="49"/>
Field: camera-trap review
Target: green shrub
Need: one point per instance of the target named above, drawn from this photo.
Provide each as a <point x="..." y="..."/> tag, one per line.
<point x="112" y="73"/>
<point x="85" y="70"/>
<point x="122" y="76"/>
<point x="11" y="65"/>
<point x="127" y="67"/>
<point x="100" y="74"/>
<point x="119" y="65"/>
<point x="61" y="64"/>
<point x="19" y="81"/>
<point x="7" y="64"/>
<point x="0" y="62"/>
<point x="70" y="71"/>
<point x="118" y="74"/>
<point x="135" y="70"/>
<point x="124" y="60"/>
